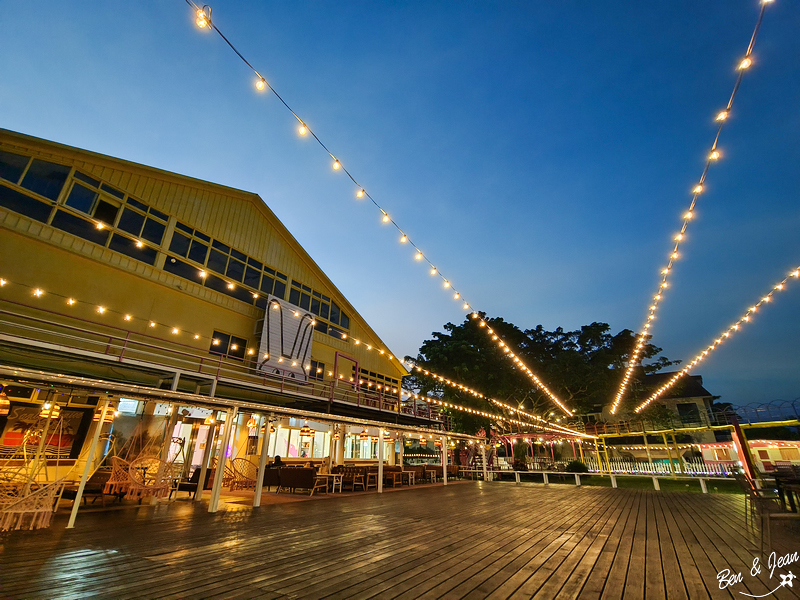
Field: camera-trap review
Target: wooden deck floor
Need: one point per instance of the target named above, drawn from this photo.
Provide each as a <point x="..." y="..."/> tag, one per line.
<point x="465" y="540"/>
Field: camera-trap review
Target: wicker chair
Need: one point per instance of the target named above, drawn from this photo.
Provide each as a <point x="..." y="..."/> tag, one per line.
<point x="149" y="476"/>
<point x="245" y="474"/>
<point x="37" y="505"/>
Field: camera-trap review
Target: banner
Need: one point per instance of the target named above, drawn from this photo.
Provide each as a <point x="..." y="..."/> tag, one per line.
<point x="286" y="338"/>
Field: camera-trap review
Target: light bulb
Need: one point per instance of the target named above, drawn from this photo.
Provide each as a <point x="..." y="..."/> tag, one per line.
<point x="360" y="193"/>
<point x="261" y="84"/>
<point x="714" y="155"/>
<point x="746" y="62"/>
<point x="404" y="239"/>
<point x="419" y="255"/>
<point x="722" y="115"/>
<point x="336" y="165"/>
<point x="302" y="130"/>
<point x="698" y="188"/>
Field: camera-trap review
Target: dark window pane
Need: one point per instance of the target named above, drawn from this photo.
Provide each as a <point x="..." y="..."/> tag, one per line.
<point x="236" y="254"/>
<point x="280" y="290"/>
<point x="140" y="205"/>
<point x="106" y="212"/>
<point x="86" y="179"/>
<point x="324" y="310"/>
<point x="294" y="296"/>
<point x="270" y="271"/>
<point x="185" y="228"/>
<point x="335" y="332"/>
<point x="315" y="306"/>
<point x="128" y="247"/>
<point x="316" y="294"/>
<point x="219" y="343"/>
<point x="325" y="298"/>
<point x="12" y="166"/>
<point x="321" y="326"/>
<point x="237" y="347"/>
<point x="180" y="244"/>
<point x="77" y="226"/>
<point x="131" y="221"/>
<point x="202" y="236"/>
<point x="240" y="293"/>
<point x="220" y="246"/>
<point x="113" y="191"/>
<point x="217" y="261"/>
<point x="45" y="178"/>
<point x="24" y="205"/>
<point x="252" y="277"/>
<point x="266" y="284"/>
<point x="182" y="269"/>
<point x="305" y="301"/>
<point x="153" y="231"/>
<point x="159" y="214"/>
<point x="344" y="321"/>
<point x="255" y="264"/>
<point x="81" y="198"/>
<point x="216" y="283"/>
<point x="281" y="275"/>
<point x="306" y="289"/>
<point x="262" y="302"/>
<point x="198" y="252"/>
<point x="334" y="314"/>
<point x="235" y="270"/>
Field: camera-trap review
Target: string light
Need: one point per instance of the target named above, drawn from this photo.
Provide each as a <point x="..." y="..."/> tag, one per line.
<point x="726" y="335"/>
<point x="713" y="155"/>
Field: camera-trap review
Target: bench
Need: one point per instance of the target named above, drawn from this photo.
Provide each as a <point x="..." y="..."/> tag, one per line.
<point x="303" y="478"/>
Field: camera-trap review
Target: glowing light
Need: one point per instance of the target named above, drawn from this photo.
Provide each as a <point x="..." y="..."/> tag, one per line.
<point x="336" y="165"/>
<point x="101" y="309"/>
<point x="38" y="293"/>
<point x="70" y="301"/>
<point x="360" y="193"/>
<point x="261" y="84"/>
<point x="202" y="274"/>
<point x="419" y="255"/>
<point x="100" y="225"/>
<point x="433" y="271"/>
<point x="127" y="317"/>
<point x="139" y="244"/>
<point x="404" y="239"/>
<point x="722" y="115"/>
<point x="714" y="155"/>
<point x="746" y="62"/>
<point x="230" y="286"/>
<point x="174" y="331"/>
<point x="152" y="324"/>
<point x="698" y="189"/>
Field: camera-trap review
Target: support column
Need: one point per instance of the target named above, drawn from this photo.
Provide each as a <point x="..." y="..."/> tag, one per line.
<point x="262" y="462"/>
<point x="580" y="449"/>
<point x="669" y="455"/>
<point x="230" y="424"/>
<point x="649" y="456"/>
<point x="678" y="458"/>
<point x="483" y="454"/>
<point x="89" y="458"/>
<point x="331" y="446"/>
<point x="444" y="460"/>
<point x="380" y="461"/>
<point x="210" y="439"/>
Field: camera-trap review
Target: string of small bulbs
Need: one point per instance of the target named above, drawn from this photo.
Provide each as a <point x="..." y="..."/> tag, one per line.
<point x="720" y="340"/>
<point x="203" y="21"/>
<point x="714" y="154"/>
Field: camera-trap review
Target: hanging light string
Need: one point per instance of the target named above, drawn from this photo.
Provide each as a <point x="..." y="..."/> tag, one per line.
<point x="520" y="365"/>
<point x="539" y="420"/>
<point x="204" y="21"/>
<point x="102" y="309"/>
<point x="713" y="155"/>
<point x="725" y="336"/>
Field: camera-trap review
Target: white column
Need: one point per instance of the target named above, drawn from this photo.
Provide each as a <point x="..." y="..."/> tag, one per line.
<point x="444" y="460"/>
<point x="331" y="446"/>
<point x="483" y="454"/>
<point x="88" y="467"/>
<point x="380" y="461"/>
<point x="262" y="462"/>
<point x="230" y="424"/>
<point x="210" y="438"/>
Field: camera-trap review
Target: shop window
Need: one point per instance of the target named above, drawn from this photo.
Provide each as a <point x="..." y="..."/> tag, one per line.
<point x="45" y="178"/>
<point x="24" y="205"/>
<point x="12" y="166"/>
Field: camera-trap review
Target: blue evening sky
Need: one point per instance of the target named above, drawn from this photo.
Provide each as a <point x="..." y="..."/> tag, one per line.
<point x="540" y="153"/>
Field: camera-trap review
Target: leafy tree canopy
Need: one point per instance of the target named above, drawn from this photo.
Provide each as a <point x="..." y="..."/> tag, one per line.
<point x="583" y="367"/>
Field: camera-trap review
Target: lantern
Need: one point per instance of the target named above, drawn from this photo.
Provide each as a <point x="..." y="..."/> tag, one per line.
<point x="50" y="410"/>
<point x="305" y="431"/>
<point x="5" y="405"/>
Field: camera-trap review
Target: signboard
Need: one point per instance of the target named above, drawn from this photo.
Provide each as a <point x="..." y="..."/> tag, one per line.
<point x="285" y="348"/>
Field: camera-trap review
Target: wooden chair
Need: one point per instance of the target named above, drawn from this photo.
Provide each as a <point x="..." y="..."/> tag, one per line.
<point x="245" y="474"/>
<point x="36" y="506"/>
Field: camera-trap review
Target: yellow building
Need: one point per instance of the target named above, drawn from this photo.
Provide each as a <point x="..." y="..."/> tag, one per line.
<point x="127" y="273"/>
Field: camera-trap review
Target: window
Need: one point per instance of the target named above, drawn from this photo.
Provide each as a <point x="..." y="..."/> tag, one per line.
<point x="321" y="306"/>
<point x="317" y="370"/>
<point x="24" y="205"/>
<point x="12" y="166"/>
<point x="228" y="345"/>
<point x="45" y="178"/>
<point x="790" y="453"/>
<point x="369" y="380"/>
<point x="722" y="454"/>
<point x="230" y="272"/>
<point x="81" y="227"/>
<point x="763" y="454"/>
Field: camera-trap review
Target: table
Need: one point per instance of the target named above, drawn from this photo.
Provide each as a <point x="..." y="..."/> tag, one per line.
<point x="334" y="479"/>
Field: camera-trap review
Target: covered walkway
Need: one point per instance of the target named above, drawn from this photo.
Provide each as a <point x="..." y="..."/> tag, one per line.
<point x="468" y="539"/>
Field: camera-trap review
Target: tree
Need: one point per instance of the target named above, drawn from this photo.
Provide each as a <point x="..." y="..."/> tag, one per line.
<point x="583" y="367"/>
